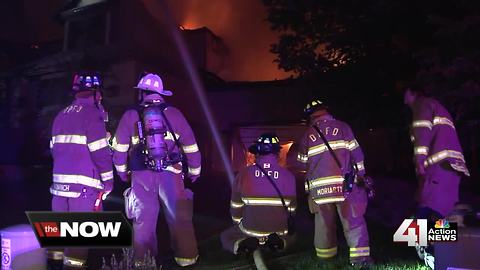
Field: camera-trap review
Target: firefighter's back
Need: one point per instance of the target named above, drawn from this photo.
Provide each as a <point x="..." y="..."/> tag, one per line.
<point x="264" y="211"/>
<point x="321" y="162"/>
<point x="72" y="162"/>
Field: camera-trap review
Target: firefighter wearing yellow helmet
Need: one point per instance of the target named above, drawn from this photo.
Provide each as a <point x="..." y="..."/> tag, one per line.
<point x="332" y="158"/>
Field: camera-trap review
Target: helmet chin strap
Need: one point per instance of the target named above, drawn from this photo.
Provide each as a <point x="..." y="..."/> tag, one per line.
<point x="152" y="98"/>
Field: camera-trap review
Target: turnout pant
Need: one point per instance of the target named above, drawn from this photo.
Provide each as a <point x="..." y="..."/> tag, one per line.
<point x="73" y="257"/>
<point x="232" y="237"/>
<point x="150" y="192"/>
<point x="439" y="190"/>
<point x="351" y="213"/>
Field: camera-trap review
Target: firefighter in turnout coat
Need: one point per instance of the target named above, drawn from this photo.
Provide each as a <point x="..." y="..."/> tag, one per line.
<point x="82" y="164"/>
<point x="157" y="181"/>
<point x="256" y="208"/>
<point x="325" y="184"/>
<point x="439" y="160"/>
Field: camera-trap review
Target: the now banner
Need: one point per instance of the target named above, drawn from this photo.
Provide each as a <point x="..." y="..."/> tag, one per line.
<point x="81" y="229"/>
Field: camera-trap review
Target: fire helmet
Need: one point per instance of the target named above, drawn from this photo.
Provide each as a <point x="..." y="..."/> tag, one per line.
<point x="267" y="143"/>
<point x="313" y="106"/>
<point x="86" y="81"/>
<point x="152" y="83"/>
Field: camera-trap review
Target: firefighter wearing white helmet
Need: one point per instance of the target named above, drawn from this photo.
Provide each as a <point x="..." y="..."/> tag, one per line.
<point x="160" y="147"/>
<point x="333" y="160"/>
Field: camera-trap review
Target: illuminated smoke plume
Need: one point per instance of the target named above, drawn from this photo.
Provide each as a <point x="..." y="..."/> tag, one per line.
<point x="242" y="26"/>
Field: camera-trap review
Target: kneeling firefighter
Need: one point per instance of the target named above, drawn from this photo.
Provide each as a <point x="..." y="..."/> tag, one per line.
<point x="263" y="201"/>
<point x="161" y="148"/>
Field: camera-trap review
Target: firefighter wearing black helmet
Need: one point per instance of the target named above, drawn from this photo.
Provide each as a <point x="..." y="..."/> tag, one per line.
<point x="333" y="161"/>
<point x="258" y="213"/>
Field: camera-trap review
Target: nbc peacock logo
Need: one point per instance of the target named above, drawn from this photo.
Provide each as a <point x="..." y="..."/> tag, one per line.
<point x="442" y="224"/>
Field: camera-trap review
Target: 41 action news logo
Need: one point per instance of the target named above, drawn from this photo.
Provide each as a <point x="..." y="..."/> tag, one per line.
<point x="421" y="232"/>
<point x="81" y="229"/>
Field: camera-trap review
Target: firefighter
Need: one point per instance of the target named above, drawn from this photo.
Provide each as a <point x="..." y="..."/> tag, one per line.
<point x="257" y="210"/>
<point x="439" y="161"/>
<point x="160" y="147"/>
<point x="330" y="186"/>
<point x="82" y="164"/>
<point x="438" y="158"/>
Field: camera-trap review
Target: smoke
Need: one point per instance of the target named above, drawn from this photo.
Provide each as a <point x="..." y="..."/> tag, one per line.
<point x="242" y="26"/>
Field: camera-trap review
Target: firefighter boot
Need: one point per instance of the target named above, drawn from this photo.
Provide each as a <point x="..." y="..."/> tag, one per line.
<point x="248" y="246"/>
<point x="275" y="243"/>
<point x="364" y="263"/>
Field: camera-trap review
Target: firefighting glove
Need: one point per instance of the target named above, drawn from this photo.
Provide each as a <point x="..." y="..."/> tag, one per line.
<point x="107" y="188"/>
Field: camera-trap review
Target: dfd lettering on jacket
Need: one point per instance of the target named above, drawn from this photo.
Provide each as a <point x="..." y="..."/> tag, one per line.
<point x="274" y="174"/>
<point x="326" y="131"/>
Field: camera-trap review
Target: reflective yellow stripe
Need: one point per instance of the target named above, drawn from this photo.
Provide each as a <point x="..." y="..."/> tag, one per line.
<point x="121" y="168"/>
<point x="318" y="149"/>
<point x="169" y="136"/>
<point x="68" y="194"/>
<point x="236" y="205"/>
<point x="119" y="147"/>
<point x="107" y="175"/>
<point x="360" y="166"/>
<point x="422" y="123"/>
<point x="73" y="262"/>
<point x="363" y="254"/>
<point x="460" y="168"/>
<point x="236" y="244"/>
<point x="194" y="171"/>
<point x="186" y="261"/>
<point x="359" y="252"/>
<point x="330" y="200"/>
<point x="76" y="139"/>
<point x="188" y="149"/>
<point x="421" y="150"/>
<point x="302" y="158"/>
<point x="437" y="120"/>
<point x="77" y="179"/>
<point x="173" y="170"/>
<point x="55" y="255"/>
<point x="97" y="145"/>
<point x="265" y="201"/>
<point x="135" y="140"/>
<point x="326" y="252"/>
<point x="324" y="181"/>
<point x="439" y="156"/>
<point x="352" y="145"/>
<point x="360" y="249"/>
<point x="258" y="233"/>
<point x="236" y="219"/>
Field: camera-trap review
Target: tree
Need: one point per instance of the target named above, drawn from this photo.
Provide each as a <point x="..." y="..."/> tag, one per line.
<point x="324" y="35"/>
<point x="370" y="44"/>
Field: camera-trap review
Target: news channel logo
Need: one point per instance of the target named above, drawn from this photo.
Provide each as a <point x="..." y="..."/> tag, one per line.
<point x="421" y="232"/>
<point x="81" y="229"/>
